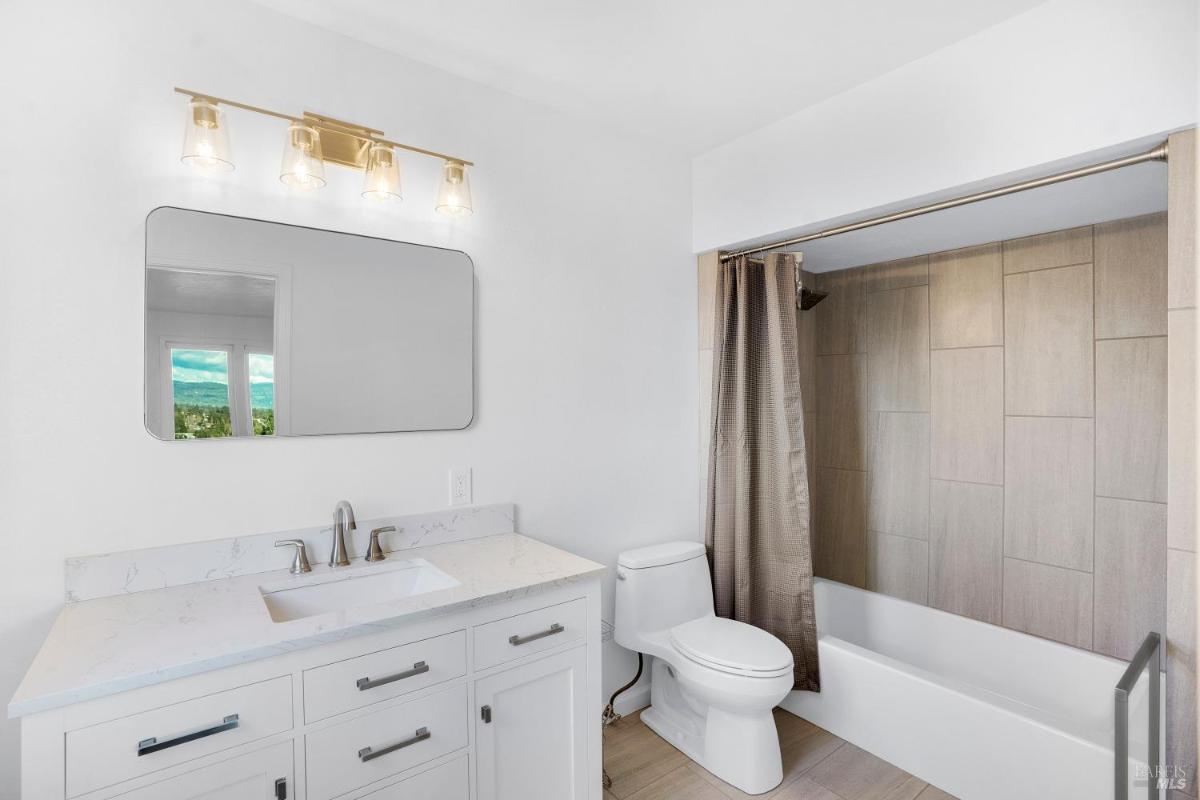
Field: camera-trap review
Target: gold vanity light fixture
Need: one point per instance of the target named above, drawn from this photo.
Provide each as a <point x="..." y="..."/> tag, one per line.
<point x="314" y="139"/>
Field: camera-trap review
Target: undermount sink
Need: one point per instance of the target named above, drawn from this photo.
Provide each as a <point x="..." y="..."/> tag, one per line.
<point x="366" y="586"/>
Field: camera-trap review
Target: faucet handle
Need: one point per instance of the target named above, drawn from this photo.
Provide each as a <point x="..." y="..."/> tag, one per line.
<point x="374" y="551"/>
<point x="300" y="563"/>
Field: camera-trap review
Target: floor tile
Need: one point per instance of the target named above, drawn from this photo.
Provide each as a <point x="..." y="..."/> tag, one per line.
<point x="635" y="757"/>
<point x="854" y="774"/>
<point x="680" y="783"/>
<point x="934" y="793"/>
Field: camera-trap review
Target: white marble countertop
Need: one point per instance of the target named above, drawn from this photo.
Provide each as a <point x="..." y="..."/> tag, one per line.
<point x="113" y="644"/>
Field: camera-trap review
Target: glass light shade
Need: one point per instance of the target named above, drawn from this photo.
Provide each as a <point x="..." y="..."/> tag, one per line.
<point x="382" y="181"/>
<point x="302" y="167"/>
<point x="206" y="138"/>
<point x="454" y="194"/>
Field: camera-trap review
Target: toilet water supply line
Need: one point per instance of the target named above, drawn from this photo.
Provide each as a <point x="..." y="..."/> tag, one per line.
<point x="609" y="716"/>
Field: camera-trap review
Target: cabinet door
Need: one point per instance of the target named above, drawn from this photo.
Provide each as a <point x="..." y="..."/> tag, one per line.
<point x="261" y="775"/>
<point x="535" y="745"/>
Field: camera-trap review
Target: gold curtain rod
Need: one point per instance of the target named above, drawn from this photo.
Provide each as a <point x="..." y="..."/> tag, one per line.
<point x="1158" y="153"/>
<point x="310" y="118"/>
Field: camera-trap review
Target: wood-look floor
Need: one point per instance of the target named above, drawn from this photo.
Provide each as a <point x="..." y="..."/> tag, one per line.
<point x="816" y="766"/>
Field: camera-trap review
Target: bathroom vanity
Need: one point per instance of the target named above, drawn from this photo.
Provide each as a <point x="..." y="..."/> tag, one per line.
<point x="459" y="670"/>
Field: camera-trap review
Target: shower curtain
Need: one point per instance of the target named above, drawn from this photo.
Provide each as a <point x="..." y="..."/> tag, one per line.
<point x="757" y="528"/>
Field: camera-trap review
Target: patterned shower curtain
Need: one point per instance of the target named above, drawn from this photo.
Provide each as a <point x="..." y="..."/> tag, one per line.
<point x="757" y="528"/>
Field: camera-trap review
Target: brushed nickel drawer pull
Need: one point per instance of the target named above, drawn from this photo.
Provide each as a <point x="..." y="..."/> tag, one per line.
<point x="533" y="637"/>
<point x="366" y="754"/>
<point x="418" y="668"/>
<point x="153" y="745"/>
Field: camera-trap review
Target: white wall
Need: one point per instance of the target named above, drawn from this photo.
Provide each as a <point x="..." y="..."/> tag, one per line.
<point x="587" y="401"/>
<point x="1068" y="77"/>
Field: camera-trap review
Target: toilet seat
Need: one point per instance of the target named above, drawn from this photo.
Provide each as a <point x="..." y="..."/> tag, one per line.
<point x="732" y="647"/>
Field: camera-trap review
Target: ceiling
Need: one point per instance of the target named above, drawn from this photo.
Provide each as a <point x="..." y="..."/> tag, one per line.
<point x="691" y="74"/>
<point x="209" y="293"/>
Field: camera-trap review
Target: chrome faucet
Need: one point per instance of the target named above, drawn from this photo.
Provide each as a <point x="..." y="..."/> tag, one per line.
<point x="343" y="520"/>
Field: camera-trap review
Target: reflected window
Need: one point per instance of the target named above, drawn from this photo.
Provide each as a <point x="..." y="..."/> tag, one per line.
<point x="200" y="391"/>
<point x="260" y="367"/>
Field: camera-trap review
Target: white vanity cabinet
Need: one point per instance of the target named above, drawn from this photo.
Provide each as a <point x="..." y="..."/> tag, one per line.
<point x="400" y="714"/>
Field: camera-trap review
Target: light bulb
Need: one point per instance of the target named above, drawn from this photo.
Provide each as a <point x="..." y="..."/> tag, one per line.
<point x="302" y="166"/>
<point x="206" y="138"/>
<point x="454" y="194"/>
<point x="382" y="179"/>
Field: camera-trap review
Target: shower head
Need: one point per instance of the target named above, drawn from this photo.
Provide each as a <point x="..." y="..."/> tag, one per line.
<point x="807" y="298"/>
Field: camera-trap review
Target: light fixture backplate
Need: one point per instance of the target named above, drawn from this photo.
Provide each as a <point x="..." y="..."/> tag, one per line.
<point x="342" y="143"/>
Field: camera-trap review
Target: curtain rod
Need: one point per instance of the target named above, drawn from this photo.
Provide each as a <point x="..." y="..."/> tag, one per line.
<point x="1157" y="154"/>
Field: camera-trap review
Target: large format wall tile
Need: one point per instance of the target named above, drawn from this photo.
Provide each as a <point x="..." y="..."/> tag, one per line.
<point x="966" y="548"/>
<point x="1131" y="574"/>
<point x="1048" y="601"/>
<point x="898" y="566"/>
<point x="1181" y="222"/>
<point x="1181" y="429"/>
<point x="898" y="350"/>
<point x="1131" y="419"/>
<point x="966" y="298"/>
<point x="840" y="529"/>
<point x="1049" y="480"/>
<point x="841" y="321"/>
<point x="1181" y="663"/>
<point x="967" y="405"/>
<point x="898" y="474"/>
<point x="842" y="411"/>
<point x="1048" y="342"/>
<point x="896" y="274"/>
<point x="1131" y="277"/>
<point x="1048" y="250"/>
<point x="806" y="346"/>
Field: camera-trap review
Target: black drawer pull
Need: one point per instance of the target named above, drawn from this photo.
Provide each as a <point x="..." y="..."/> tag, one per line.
<point x="153" y="745"/>
<point x="418" y="668"/>
<point x="533" y="637"/>
<point x="366" y="754"/>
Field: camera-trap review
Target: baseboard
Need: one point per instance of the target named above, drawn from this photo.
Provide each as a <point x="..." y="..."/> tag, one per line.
<point x="632" y="701"/>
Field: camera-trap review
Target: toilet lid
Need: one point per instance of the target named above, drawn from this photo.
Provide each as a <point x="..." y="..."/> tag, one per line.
<point x="732" y="646"/>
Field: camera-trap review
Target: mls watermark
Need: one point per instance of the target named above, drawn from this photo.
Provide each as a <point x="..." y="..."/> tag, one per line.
<point x="1165" y="776"/>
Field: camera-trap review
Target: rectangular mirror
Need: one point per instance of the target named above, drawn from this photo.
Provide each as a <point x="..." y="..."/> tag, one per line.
<point x="262" y="329"/>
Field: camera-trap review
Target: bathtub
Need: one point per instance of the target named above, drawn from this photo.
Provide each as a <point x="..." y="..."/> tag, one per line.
<point x="980" y="711"/>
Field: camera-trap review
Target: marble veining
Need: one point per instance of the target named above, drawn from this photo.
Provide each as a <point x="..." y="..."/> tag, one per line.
<point x="125" y="641"/>
<point x="91" y="577"/>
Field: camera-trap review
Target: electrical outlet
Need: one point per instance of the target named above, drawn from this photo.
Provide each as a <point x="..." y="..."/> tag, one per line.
<point x="460" y="486"/>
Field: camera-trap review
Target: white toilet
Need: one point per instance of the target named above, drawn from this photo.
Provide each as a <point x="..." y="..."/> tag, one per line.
<point x="714" y="681"/>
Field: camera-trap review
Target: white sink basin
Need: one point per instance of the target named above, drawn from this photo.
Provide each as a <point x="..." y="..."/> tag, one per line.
<point x="369" y="585"/>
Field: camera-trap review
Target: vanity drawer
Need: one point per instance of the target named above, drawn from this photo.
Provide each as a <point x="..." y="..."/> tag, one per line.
<point x="372" y="747"/>
<point x="514" y="637"/>
<point x="125" y="748"/>
<point x="447" y="782"/>
<point x="368" y="679"/>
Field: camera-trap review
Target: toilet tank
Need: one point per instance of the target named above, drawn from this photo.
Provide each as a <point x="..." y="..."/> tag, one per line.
<point x="659" y="587"/>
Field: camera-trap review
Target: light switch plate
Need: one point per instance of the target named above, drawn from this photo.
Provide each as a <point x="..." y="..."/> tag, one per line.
<point x="460" y="486"/>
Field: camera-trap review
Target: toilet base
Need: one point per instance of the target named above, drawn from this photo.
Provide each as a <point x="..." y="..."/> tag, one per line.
<point x="740" y="749"/>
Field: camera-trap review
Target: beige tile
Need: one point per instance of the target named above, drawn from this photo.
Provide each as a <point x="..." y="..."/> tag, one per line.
<point x="840" y="529"/>
<point x="898" y="566"/>
<point x="898" y="350"/>
<point x="1048" y="342"/>
<point x="1131" y="419"/>
<point x="1047" y="250"/>
<point x="803" y="789"/>
<point x="841" y="411"/>
<point x="967" y="422"/>
<point x="841" y="321"/>
<point x="1131" y="574"/>
<point x="934" y="793"/>
<point x="810" y="449"/>
<point x="806" y="346"/>
<point x="1131" y="277"/>
<point x="1181" y="222"/>
<point x="1048" y="601"/>
<point x="708" y="270"/>
<point x="1181" y="662"/>
<point x="898" y="474"/>
<point x="966" y="298"/>
<point x="1049" y="484"/>
<point x="897" y="274"/>
<point x="966" y="548"/>
<point x="1181" y="429"/>
<point x="680" y="783"/>
<point x="636" y="757"/>
<point x="855" y="774"/>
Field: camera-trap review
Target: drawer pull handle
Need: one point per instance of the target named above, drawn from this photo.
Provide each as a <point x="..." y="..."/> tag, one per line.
<point x="153" y="745"/>
<point x="533" y="637"/>
<point x="366" y="754"/>
<point x="418" y="668"/>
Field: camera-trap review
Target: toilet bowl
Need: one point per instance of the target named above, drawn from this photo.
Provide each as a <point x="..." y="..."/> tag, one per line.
<point x="714" y="681"/>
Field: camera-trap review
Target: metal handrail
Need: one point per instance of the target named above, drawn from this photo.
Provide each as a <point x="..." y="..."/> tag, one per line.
<point x="1148" y="655"/>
